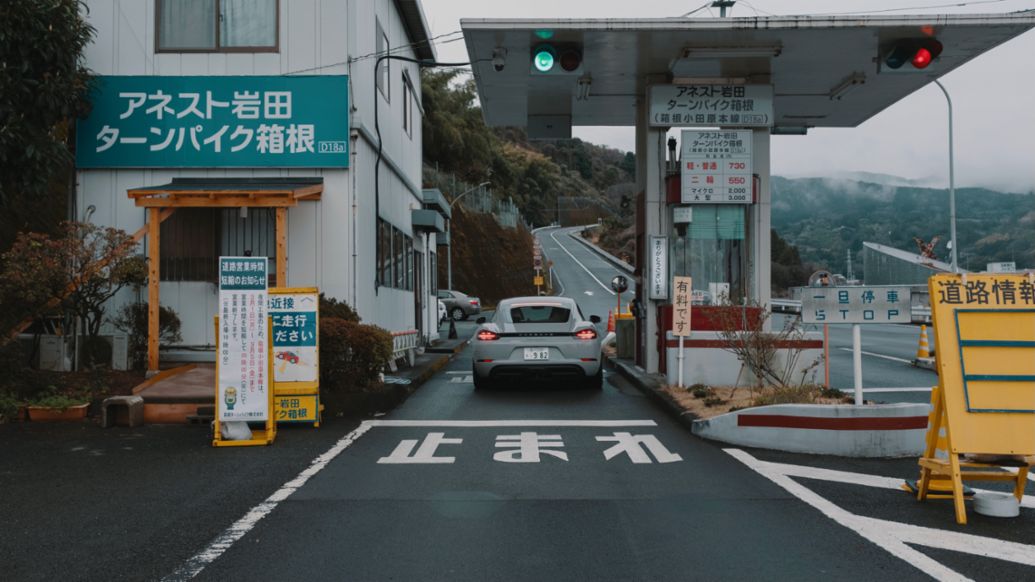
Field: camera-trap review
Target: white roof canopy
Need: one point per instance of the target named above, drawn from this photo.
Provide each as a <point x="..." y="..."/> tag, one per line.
<point x="815" y="56"/>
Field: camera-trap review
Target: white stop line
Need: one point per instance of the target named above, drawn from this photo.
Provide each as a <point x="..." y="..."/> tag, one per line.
<point x="892" y="536"/>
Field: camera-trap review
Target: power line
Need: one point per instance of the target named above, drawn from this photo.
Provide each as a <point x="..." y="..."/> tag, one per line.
<point x="953" y="5"/>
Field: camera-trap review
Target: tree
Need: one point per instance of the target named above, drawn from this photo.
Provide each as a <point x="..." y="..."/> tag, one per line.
<point x="45" y="86"/>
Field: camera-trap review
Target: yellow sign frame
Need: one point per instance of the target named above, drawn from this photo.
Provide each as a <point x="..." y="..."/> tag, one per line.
<point x="281" y="389"/>
<point x="268" y="433"/>
<point x="984" y="403"/>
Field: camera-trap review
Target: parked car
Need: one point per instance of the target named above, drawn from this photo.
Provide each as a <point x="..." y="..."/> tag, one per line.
<point x="442" y="313"/>
<point x="538" y="337"/>
<point x="459" y="305"/>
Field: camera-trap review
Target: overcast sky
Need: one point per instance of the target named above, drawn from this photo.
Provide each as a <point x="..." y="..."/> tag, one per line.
<point x="995" y="137"/>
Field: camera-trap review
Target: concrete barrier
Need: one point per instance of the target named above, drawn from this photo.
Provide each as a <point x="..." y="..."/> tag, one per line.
<point x="847" y="430"/>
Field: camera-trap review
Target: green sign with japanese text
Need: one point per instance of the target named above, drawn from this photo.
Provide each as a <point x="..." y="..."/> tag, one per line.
<point x="216" y="122"/>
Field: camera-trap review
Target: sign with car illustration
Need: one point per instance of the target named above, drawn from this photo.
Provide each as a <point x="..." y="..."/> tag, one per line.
<point x="295" y="314"/>
<point x="295" y="352"/>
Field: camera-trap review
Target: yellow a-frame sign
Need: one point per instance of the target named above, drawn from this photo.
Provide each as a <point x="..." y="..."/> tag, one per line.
<point x="984" y="403"/>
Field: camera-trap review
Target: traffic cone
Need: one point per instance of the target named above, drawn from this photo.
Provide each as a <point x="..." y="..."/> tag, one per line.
<point x="610" y="321"/>
<point x="924" y="350"/>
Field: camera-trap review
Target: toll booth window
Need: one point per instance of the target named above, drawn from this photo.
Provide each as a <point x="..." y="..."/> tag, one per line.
<point x="714" y="252"/>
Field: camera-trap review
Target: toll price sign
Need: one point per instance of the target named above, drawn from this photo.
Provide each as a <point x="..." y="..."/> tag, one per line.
<point x="243" y="383"/>
<point x="716" y="167"/>
<point x="863" y="304"/>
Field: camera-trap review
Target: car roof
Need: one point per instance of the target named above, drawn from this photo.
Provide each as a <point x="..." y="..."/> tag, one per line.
<point x="565" y="302"/>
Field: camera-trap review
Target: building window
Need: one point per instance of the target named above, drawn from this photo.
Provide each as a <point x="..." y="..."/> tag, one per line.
<point x="384" y="253"/>
<point x="433" y="273"/>
<point x="384" y="69"/>
<point x="189" y="245"/>
<point x="407" y="107"/>
<point x="394" y="257"/>
<point x="217" y="25"/>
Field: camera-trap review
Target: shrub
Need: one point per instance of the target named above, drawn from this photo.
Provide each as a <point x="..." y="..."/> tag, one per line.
<point x="352" y="355"/>
<point x="132" y="319"/>
<point x="331" y="307"/>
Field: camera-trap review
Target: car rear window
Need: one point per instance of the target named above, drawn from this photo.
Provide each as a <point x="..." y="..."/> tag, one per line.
<point x="540" y="314"/>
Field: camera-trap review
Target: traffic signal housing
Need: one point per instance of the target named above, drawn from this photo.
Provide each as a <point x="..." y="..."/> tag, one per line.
<point x="556" y="59"/>
<point x="911" y="55"/>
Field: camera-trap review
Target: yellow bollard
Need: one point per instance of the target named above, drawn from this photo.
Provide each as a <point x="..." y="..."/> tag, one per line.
<point x="924" y="351"/>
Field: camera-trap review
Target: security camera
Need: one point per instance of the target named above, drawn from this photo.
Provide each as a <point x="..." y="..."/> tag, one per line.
<point x="499" y="56"/>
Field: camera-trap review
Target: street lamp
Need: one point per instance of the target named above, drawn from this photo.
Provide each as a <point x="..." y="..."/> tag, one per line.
<point x="952" y="187"/>
<point x="449" y="231"/>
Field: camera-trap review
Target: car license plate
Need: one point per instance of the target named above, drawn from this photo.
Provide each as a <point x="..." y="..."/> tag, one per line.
<point x="537" y="354"/>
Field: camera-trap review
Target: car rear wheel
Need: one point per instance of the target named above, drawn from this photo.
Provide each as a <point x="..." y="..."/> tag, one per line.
<point x="480" y="383"/>
<point x="596" y="381"/>
<point x="458" y="314"/>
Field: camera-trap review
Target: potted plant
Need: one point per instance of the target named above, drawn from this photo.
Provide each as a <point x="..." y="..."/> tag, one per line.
<point x="52" y="406"/>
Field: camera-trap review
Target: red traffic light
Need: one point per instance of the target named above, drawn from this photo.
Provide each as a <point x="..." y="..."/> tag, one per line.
<point x="919" y="53"/>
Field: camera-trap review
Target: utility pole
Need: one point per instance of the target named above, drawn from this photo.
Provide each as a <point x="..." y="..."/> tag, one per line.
<point x="851" y="275"/>
<point x="952" y="186"/>
<point x="722" y="5"/>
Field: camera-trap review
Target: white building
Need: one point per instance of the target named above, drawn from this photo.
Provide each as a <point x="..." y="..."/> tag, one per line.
<point x="248" y="127"/>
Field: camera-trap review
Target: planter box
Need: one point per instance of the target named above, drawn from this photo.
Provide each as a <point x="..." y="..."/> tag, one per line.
<point x="48" y="414"/>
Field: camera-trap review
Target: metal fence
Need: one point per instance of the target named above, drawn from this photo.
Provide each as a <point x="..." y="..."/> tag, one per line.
<point x="476" y="198"/>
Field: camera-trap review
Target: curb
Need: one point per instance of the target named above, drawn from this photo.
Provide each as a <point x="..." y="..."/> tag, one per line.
<point x="651" y="386"/>
<point x="618" y="263"/>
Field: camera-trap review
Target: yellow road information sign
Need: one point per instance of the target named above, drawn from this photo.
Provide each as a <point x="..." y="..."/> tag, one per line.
<point x="297" y="408"/>
<point x="985" y="400"/>
<point x="985" y="333"/>
<point x="537" y="280"/>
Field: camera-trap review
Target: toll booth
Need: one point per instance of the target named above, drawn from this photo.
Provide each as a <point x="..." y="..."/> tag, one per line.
<point x="741" y="79"/>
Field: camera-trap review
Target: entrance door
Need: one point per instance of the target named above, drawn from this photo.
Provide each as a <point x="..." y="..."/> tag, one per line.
<point x="418" y="292"/>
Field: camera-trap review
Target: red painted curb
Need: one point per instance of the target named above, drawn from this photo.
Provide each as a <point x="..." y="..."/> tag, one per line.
<point x="827" y="423"/>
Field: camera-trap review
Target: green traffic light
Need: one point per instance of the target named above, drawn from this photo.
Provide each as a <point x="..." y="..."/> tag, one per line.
<point x="544" y="59"/>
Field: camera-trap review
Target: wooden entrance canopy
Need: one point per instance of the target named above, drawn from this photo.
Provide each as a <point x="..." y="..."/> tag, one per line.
<point x="162" y="201"/>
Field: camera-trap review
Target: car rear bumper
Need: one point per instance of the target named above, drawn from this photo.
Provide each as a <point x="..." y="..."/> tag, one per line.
<point x="561" y="369"/>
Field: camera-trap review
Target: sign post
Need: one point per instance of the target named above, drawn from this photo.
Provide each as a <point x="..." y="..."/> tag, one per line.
<point x="856" y="305"/>
<point x="682" y="289"/>
<point x="243" y="362"/>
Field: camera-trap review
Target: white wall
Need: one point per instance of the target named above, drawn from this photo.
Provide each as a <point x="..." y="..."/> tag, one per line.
<point x="316" y="36"/>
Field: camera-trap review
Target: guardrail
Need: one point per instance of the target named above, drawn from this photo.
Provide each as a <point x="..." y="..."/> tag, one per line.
<point x="405" y="344"/>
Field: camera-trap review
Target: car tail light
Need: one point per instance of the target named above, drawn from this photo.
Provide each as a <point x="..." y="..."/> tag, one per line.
<point x="488" y="336"/>
<point x="586" y="334"/>
<point x="474" y="302"/>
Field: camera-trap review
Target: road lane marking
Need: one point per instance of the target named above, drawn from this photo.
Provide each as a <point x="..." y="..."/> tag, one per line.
<point x="892" y="358"/>
<point x="510" y="423"/>
<point x="559" y="282"/>
<point x="901" y="389"/>
<point x="217" y="547"/>
<point x="462" y="379"/>
<point x="892" y="536"/>
<point x="579" y="263"/>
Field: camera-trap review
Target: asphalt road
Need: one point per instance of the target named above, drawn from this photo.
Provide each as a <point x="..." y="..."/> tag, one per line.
<point x="888" y="350"/>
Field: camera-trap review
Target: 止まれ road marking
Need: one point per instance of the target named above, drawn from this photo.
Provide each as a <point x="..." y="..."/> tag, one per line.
<point x="579" y="263"/>
<point x="894" y="537"/>
<point x="218" y="546"/>
<point x="882" y="356"/>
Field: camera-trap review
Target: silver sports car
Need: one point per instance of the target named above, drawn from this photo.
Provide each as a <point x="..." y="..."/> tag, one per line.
<point x="538" y="337"/>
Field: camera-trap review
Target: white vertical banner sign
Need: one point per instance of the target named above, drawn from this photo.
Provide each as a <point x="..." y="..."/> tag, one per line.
<point x="682" y="289"/>
<point x="244" y="383"/>
<point x="658" y="283"/>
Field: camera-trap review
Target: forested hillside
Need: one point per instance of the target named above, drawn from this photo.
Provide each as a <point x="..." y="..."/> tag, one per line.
<point x="577" y="180"/>
<point x="826" y="218"/>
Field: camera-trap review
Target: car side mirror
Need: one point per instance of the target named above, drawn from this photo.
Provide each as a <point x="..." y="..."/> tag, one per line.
<point x="594" y="318"/>
<point x="480" y="320"/>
